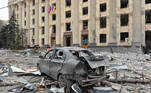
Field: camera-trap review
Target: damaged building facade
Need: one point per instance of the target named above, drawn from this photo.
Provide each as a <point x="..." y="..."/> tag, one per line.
<point x="101" y="23"/>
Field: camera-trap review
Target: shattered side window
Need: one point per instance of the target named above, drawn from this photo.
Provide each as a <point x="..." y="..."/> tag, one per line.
<point x="75" y="53"/>
<point x="85" y="53"/>
<point x="49" y="54"/>
<point x="59" y="54"/>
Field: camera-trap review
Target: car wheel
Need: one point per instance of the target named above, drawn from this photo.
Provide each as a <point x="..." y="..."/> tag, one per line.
<point x="66" y="83"/>
<point x="62" y="82"/>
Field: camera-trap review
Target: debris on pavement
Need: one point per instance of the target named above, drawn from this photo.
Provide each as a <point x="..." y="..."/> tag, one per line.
<point x="125" y="73"/>
<point x="57" y="90"/>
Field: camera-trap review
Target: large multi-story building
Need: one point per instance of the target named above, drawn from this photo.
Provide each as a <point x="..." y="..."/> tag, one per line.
<point x="84" y="22"/>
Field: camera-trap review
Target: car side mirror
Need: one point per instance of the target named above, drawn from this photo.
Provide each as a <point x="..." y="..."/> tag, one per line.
<point x="41" y="57"/>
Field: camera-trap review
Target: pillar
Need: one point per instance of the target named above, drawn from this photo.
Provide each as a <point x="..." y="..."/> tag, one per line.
<point x="28" y="22"/>
<point x="137" y="23"/>
<point x="76" y="23"/>
<point x="37" y="22"/>
<point x="47" y="34"/>
<point x="20" y="15"/>
<point x="112" y="22"/>
<point x="58" y="22"/>
<point x="10" y="11"/>
<point x="92" y="29"/>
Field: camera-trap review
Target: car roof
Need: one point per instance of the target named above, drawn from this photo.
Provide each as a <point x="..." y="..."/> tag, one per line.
<point x="70" y="48"/>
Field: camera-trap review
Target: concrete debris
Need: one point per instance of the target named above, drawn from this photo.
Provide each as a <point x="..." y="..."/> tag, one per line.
<point x="102" y="88"/>
<point x="119" y="67"/>
<point x="57" y="90"/>
<point x="17" y="55"/>
<point x="130" y="70"/>
<point x="6" y="70"/>
<point x="17" y="70"/>
<point x="127" y="73"/>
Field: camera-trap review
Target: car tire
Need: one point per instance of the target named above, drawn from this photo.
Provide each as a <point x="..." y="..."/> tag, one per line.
<point x="61" y="81"/>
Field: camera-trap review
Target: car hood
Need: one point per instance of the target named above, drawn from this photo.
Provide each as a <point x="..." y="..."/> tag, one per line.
<point x="97" y="61"/>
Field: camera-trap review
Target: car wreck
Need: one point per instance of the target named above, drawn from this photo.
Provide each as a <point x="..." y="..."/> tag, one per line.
<point x="70" y="65"/>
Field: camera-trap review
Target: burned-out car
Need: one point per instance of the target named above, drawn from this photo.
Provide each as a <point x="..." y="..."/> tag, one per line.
<point x="72" y="64"/>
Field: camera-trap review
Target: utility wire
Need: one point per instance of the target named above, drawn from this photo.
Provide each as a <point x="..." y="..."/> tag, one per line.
<point x="26" y="6"/>
<point x="3" y="7"/>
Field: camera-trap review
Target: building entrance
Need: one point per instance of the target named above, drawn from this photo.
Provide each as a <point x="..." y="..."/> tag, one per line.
<point x="68" y="41"/>
<point x="148" y="41"/>
<point x="84" y="41"/>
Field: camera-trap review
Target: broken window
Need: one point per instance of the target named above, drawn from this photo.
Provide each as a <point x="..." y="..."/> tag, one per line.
<point x="85" y="24"/>
<point x="124" y="19"/>
<point x="68" y="14"/>
<point x="43" y="30"/>
<point x="33" y="21"/>
<point x="25" y="14"/>
<point x="124" y="36"/>
<point x="43" y="19"/>
<point x="33" y="11"/>
<point x="68" y="2"/>
<point x="147" y="1"/>
<point x="17" y="15"/>
<point x="43" y="41"/>
<point x="33" y="2"/>
<point x="148" y="16"/>
<point x="85" y="0"/>
<point x="85" y="10"/>
<point x="148" y="40"/>
<point x="59" y="55"/>
<point x="53" y="17"/>
<point x="68" y="26"/>
<point x="25" y="5"/>
<point x="54" y="29"/>
<point x="102" y="38"/>
<point x="33" y="41"/>
<point x="103" y="7"/>
<point x="33" y="30"/>
<point x="49" y="55"/>
<point x="124" y="3"/>
<point x="25" y="23"/>
<point x="43" y="9"/>
<point x="43" y="1"/>
<point x="103" y="22"/>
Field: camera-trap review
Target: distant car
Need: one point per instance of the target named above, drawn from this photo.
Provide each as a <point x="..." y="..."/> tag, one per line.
<point x="71" y="64"/>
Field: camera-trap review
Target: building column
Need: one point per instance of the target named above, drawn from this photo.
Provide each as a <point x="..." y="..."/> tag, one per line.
<point x="37" y="22"/>
<point x="47" y="39"/>
<point x="92" y="29"/>
<point x="28" y="21"/>
<point x="20" y="15"/>
<point x="58" y="22"/>
<point x="137" y="23"/>
<point x="10" y="11"/>
<point x="112" y="21"/>
<point x="76" y="24"/>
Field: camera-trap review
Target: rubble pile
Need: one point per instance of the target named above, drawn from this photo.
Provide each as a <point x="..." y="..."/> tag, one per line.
<point x="131" y="67"/>
<point x="5" y="53"/>
<point x="128" y="73"/>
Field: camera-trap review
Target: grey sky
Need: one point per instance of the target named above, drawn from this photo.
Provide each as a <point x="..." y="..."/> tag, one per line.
<point x="4" y="11"/>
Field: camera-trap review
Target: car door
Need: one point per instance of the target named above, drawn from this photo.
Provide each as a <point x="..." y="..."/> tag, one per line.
<point x="57" y="63"/>
<point x="47" y="61"/>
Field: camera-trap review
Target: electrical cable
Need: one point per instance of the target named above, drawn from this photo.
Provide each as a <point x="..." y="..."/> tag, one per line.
<point x="3" y="7"/>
